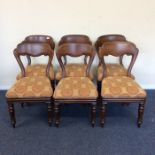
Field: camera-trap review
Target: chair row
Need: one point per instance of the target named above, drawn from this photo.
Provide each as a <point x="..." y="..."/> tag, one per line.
<point x="112" y="69"/>
<point x="33" y="85"/>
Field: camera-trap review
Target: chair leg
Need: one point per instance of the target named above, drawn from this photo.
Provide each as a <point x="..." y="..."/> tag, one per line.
<point x="99" y="100"/>
<point x="50" y="114"/>
<point x="102" y="114"/>
<point x="57" y="115"/>
<point x="93" y="115"/>
<point x="53" y="84"/>
<point x="12" y="114"/>
<point x="99" y="86"/>
<point x="140" y="114"/>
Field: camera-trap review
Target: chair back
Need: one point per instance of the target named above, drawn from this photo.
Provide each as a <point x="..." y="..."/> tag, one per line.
<point x="110" y="37"/>
<point x="41" y="39"/>
<point x="118" y="49"/>
<point x="75" y="50"/>
<point x="75" y="38"/>
<point x="34" y="50"/>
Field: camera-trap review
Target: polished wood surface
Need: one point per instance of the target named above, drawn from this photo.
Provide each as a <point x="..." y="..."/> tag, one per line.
<point x="117" y="49"/>
<point x="39" y="39"/>
<point x="108" y="38"/>
<point x="34" y="50"/>
<point x="75" y="50"/>
<point x="75" y="38"/>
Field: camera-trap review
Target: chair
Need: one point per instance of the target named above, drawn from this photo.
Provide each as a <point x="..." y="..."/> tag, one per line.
<point x="113" y="69"/>
<point x="120" y="88"/>
<point x="32" y="89"/>
<point x="79" y="90"/>
<point x="74" y="70"/>
<point x="38" y="69"/>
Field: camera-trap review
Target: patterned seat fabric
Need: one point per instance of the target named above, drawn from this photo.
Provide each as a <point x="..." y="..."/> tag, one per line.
<point x="121" y="87"/>
<point x="112" y="70"/>
<point x="28" y="87"/>
<point x="37" y="70"/>
<point x="75" y="88"/>
<point x="73" y="70"/>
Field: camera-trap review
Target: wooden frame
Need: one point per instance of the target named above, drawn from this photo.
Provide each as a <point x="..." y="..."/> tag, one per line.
<point x="75" y="50"/>
<point x="35" y="50"/>
<point x="110" y="37"/>
<point x="75" y="38"/>
<point x="117" y="48"/>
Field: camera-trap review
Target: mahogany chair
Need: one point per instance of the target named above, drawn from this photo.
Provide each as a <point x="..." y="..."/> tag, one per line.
<point x="74" y="70"/>
<point x="38" y="69"/>
<point x="113" y="69"/>
<point x="120" y="88"/>
<point x="79" y="90"/>
<point x="33" y="89"/>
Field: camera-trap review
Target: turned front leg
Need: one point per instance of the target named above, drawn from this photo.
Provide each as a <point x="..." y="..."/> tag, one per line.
<point x="53" y="84"/>
<point x="140" y="114"/>
<point x="50" y="114"/>
<point x="12" y="114"/>
<point x="102" y="114"/>
<point x="93" y="115"/>
<point x="57" y="115"/>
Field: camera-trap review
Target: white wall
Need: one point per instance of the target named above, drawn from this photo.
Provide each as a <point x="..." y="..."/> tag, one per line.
<point x="133" y="18"/>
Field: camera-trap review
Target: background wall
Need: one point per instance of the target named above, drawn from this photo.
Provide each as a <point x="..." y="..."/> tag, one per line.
<point x="133" y="18"/>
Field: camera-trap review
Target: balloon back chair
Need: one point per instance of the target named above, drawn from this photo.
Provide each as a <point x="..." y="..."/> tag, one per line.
<point x="79" y="90"/>
<point x="38" y="69"/>
<point x="120" y="88"/>
<point x="33" y="89"/>
<point x="72" y="69"/>
<point x="113" y="69"/>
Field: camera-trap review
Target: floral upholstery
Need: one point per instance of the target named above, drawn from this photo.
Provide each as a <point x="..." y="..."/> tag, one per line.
<point x="112" y="70"/>
<point x="37" y="70"/>
<point x="28" y="87"/>
<point x="121" y="87"/>
<point x="75" y="88"/>
<point x="73" y="70"/>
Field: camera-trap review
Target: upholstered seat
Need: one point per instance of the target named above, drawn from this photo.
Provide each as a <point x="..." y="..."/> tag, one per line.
<point x="37" y="70"/>
<point x="121" y="87"/>
<point x="112" y="70"/>
<point x="28" y="87"/>
<point x="73" y="70"/>
<point x="75" y="88"/>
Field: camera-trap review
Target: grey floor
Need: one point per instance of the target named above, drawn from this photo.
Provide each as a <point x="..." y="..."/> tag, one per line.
<point x="120" y="136"/>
